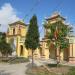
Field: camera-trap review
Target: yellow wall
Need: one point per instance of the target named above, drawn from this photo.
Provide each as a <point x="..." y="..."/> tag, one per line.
<point x="61" y="55"/>
<point x="20" y="33"/>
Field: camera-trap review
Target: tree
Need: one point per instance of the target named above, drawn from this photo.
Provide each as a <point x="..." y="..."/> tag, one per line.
<point x="5" y="48"/>
<point x="2" y="37"/>
<point x="32" y="37"/>
<point x="57" y="33"/>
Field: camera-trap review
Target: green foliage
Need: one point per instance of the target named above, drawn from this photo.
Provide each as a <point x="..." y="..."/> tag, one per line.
<point x="5" y="48"/>
<point x="2" y="37"/>
<point x="38" y="71"/>
<point x="52" y="65"/>
<point x="32" y="37"/>
<point x="58" y="33"/>
<point x="15" y="60"/>
<point x="72" y="71"/>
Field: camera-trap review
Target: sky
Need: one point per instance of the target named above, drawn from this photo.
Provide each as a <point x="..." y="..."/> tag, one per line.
<point x="14" y="10"/>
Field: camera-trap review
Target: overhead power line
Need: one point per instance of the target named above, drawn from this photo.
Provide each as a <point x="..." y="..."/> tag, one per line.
<point x="59" y="6"/>
<point x="32" y="9"/>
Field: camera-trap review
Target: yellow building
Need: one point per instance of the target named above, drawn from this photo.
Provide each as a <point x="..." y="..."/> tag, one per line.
<point x="51" y="53"/>
<point x="67" y="54"/>
<point x="16" y="37"/>
<point x="72" y="49"/>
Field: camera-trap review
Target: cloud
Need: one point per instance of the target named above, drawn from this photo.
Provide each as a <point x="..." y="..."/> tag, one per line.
<point x="7" y="15"/>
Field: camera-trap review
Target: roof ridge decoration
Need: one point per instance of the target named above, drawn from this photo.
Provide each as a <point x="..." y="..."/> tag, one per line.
<point x="18" y="22"/>
<point x="55" y="15"/>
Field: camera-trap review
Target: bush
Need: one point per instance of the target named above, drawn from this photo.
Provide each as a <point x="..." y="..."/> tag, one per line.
<point x="18" y="60"/>
<point x="52" y="65"/>
<point x="72" y="71"/>
<point x="13" y="60"/>
<point x="38" y="71"/>
<point x="4" y="59"/>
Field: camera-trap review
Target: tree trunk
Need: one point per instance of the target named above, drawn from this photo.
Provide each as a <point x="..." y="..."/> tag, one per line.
<point x="2" y="57"/>
<point x="32" y="59"/>
<point x="58" y="54"/>
<point x="6" y="55"/>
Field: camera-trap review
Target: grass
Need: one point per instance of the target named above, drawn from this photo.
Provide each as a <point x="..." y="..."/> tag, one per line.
<point x="4" y="59"/>
<point x="13" y="60"/>
<point x="38" y="71"/>
<point x="72" y="71"/>
<point x="18" y="60"/>
<point x="54" y="70"/>
<point x="52" y="65"/>
<point x="63" y="69"/>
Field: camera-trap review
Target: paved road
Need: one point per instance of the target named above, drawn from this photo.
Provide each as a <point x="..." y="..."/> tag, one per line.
<point x="13" y="69"/>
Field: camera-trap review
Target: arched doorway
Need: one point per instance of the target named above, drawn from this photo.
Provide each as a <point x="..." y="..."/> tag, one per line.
<point x="41" y="52"/>
<point x="66" y="54"/>
<point x="52" y="52"/>
<point x="21" y="50"/>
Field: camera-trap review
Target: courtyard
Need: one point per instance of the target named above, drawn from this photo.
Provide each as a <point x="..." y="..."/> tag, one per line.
<point x="13" y="69"/>
<point x="41" y="67"/>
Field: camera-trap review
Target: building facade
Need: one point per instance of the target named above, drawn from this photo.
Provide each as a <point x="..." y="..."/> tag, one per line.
<point x="67" y="54"/>
<point x="16" y="37"/>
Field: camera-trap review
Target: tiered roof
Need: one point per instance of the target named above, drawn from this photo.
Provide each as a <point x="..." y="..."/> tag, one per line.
<point x="55" y="15"/>
<point x="18" y="22"/>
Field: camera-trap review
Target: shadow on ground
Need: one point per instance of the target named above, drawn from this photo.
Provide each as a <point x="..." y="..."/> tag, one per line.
<point x="30" y="65"/>
<point x="2" y="72"/>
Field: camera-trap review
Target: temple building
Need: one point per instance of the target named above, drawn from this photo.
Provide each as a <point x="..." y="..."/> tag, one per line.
<point x="67" y="54"/>
<point x="16" y="37"/>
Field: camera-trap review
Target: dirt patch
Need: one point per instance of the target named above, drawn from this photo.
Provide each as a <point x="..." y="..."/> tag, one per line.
<point x="63" y="70"/>
<point x="39" y="71"/>
<point x="59" y="70"/>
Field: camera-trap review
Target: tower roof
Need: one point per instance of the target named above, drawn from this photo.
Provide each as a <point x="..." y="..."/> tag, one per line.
<point x="18" y="22"/>
<point x="55" y="15"/>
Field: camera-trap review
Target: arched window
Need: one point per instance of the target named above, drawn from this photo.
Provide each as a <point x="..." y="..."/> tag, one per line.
<point x="13" y="31"/>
